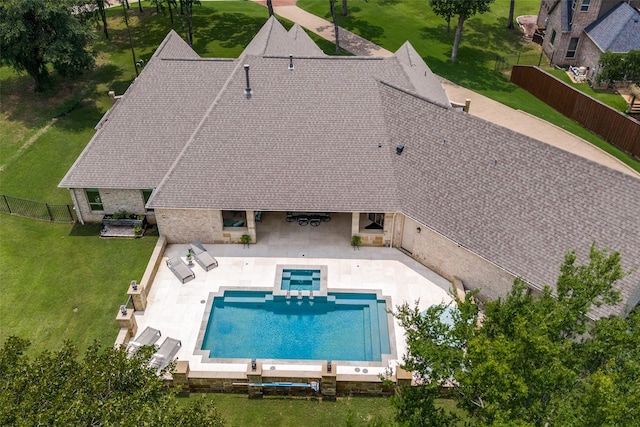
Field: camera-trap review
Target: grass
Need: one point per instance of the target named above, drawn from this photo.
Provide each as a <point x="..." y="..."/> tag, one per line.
<point x="62" y="282"/>
<point x="279" y="411"/>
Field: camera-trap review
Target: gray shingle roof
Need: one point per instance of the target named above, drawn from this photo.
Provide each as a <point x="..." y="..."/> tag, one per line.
<point x="511" y="199"/>
<point x="617" y="31"/>
<point x="323" y="138"/>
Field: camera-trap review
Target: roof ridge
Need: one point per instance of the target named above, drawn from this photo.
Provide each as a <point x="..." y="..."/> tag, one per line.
<point x="414" y="94"/>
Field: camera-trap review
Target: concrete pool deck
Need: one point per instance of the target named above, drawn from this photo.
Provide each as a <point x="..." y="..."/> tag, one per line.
<point x="178" y="310"/>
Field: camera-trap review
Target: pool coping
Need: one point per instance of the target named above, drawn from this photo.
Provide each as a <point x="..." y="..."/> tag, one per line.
<point x="310" y="365"/>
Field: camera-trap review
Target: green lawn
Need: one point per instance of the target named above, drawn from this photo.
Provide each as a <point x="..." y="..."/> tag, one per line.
<point x="62" y="282"/>
<point x="239" y="411"/>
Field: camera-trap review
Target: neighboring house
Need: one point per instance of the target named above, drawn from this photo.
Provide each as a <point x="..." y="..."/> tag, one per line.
<point x="372" y="138"/>
<point x="577" y="32"/>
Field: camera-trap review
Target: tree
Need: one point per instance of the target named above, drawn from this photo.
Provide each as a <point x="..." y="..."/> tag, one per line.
<point x="620" y="67"/>
<point x="332" y="8"/>
<point x="103" y="15"/>
<point x="531" y="361"/>
<point x="463" y="9"/>
<point x="103" y="388"/>
<point x="512" y="7"/>
<point x="270" y="7"/>
<point x="36" y="33"/>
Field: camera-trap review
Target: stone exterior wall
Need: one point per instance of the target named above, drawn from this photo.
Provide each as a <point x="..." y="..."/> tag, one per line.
<point x="331" y="385"/>
<point x="451" y="261"/>
<point x="187" y="225"/>
<point x="113" y="200"/>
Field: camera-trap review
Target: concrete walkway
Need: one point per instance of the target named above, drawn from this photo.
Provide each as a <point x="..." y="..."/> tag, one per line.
<point x="481" y="106"/>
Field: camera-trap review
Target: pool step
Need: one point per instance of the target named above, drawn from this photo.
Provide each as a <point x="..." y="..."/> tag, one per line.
<point x="368" y="351"/>
<point x="374" y="329"/>
<point x="232" y="299"/>
<point x="385" y="345"/>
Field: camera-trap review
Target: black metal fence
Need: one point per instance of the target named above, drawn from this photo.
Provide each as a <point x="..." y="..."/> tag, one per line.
<point x="36" y="210"/>
<point x="504" y="63"/>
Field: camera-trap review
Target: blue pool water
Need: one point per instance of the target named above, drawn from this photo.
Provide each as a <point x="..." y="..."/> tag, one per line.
<point x="302" y="280"/>
<point x="340" y="326"/>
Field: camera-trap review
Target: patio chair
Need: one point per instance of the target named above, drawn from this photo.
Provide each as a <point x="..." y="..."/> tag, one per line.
<point x="180" y="269"/>
<point x="165" y="354"/>
<point x="148" y="337"/>
<point x="202" y="257"/>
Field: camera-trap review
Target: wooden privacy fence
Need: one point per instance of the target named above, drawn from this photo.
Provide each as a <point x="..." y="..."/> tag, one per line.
<point x="613" y="126"/>
<point x="37" y="210"/>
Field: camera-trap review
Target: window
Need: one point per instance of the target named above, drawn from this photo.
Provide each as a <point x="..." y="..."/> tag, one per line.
<point x="93" y="196"/>
<point x="584" y="7"/>
<point x="573" y="45"/>
<point x="378" y="221"/>
<point x="553" y="36"/>
<point x="146" y="194"/>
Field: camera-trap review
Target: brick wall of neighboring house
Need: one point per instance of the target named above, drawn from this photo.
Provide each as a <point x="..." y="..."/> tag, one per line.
<point x="187" y="225"/>
<point x="589" y="57"/>
<point x="451" y="261"/>
<point x="113" y="200"/>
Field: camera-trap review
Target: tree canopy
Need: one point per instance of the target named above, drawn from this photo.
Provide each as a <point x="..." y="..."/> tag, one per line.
<point x="38" y="33"/>
<point x="103" y="388"/>
<point x="620" y="67"/>
<point x="463" y="9"/>
<point x="528" y="360"/>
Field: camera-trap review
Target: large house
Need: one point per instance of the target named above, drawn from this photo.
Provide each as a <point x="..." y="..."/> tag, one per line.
<point x="577" y="32"/>
<point x="204" y="146"/>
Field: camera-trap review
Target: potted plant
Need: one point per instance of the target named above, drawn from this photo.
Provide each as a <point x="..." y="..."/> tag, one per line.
<point x="190" y="257"/>
<point x="245" y="240"/>
<point x="356" y="241"/>
<point x="124" y="219"/>
<point x="137" y="230"/>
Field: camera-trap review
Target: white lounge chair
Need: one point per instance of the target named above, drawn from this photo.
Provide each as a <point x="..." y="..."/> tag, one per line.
<point x="148" y="337"/>
<point x="180" y="269"/>
<point x="206" y="261"/>
<point x="165" y="354"/>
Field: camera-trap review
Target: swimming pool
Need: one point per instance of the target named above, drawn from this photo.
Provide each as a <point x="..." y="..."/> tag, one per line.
<point x="300" y="280"/>
<point x="260" y="325"/>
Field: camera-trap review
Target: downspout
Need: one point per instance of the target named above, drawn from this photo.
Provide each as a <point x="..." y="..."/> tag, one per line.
<point x="75" y="206"/>
<point x="393" y="228"/>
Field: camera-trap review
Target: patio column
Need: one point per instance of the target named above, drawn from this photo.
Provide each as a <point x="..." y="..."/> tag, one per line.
<point x="328" y="383"/>
<point x="254" y="375"/>
<point x="251" y="225"/>
<point x="355" y="223"/>
<point x="403" y="377"/>
<point x="128" y="321"/>
<point x="137" y="297"/>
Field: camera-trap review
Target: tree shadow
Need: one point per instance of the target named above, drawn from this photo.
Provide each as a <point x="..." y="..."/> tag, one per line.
<point x="86" y="230"/>
<point x="495" y="36"/>
<point x="229" y="29"/>
<point x="359" y="26"/>
<point x="469" y="71"/>
<point x="437" y="33"/>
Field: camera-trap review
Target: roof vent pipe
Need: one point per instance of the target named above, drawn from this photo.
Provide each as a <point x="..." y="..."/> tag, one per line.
<point x="248" y="90"/>
<point x="399" y="149"/>
<point x="290" y="62"/>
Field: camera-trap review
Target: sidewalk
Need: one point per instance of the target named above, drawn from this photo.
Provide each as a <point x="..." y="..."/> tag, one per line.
<point x="481" y="106"/>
